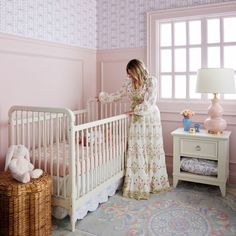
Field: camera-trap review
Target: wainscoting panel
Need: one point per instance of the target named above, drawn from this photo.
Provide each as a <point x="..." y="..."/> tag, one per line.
<point x="38" y="73"/>
<point x="109" y="79"/>
<point x="111" y="66"/>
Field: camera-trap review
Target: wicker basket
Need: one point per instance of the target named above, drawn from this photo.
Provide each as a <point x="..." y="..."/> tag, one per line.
<point x="25" y="209"/>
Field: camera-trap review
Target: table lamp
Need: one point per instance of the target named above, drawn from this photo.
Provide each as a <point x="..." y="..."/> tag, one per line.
<point x="215" y="80"/>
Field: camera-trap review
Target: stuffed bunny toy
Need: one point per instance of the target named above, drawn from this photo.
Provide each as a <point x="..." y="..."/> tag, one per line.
<point x="18" y="162"/>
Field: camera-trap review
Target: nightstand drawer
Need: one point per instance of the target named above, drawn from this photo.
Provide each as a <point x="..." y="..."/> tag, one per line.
<point x="198" y="148"/>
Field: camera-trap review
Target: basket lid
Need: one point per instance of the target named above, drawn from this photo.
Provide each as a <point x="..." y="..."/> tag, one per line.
<point x="11" y="187"/>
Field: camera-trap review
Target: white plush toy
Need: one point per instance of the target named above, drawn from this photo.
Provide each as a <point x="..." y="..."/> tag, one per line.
<point x="18" y="162"/>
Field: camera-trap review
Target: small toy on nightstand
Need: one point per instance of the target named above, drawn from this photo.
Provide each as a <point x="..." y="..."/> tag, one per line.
<point x="197" y="127"/>
<point x="192" y="130"/>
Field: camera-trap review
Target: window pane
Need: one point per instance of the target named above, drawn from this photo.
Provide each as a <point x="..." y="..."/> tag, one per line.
<point x="166" y="60"/>
<point x="195" y="32"/>
<point x="180" y="33"/>
<point x="166" y="86"/>
<point x="230" y="57"/>
<point x="213" y="59"/>
<point x="165" y="30"/>
<point x="180" y="60"/>
<point x="213" y="31"/>
<point x="231" y="96"/>
<point x="192" y="87"/>
<point x="180" y="86"/>
<point x="194" y="59"/>
<point x="230" y="29"/>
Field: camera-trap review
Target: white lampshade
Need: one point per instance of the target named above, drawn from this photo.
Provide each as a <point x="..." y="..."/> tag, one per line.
<point x="215" y="80"/>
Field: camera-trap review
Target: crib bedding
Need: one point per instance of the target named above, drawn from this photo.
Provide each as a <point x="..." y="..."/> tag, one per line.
<point x="91" y="203"/>
<point x="59" y="153"/>
<point x="41" y="158"/>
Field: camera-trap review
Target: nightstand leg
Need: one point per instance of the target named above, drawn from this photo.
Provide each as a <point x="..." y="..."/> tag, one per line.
<point x="223" y="189"/>
<point x="175" y="182"/>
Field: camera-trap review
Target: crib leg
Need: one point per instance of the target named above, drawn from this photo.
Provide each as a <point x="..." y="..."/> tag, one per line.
<point x="73" y="223"/>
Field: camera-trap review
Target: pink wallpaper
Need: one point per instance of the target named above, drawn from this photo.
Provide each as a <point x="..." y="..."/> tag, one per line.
<point x="103" y="24"/>
<point x="71" y="22"/>
<point x="122" y="24"/>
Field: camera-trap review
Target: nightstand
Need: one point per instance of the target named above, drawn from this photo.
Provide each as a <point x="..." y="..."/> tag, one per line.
<point x="205" y="146"/>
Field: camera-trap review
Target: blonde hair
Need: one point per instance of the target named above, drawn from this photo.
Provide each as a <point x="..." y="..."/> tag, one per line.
<point x="138" y="69"/>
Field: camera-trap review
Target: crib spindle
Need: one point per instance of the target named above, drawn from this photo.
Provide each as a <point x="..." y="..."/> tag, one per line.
<point x="83" y="162"/>
<point x="16" y="129"/>
<point x="87" y="163"/>
<point x="28" y="130"/>
<point x="95" y="154"/>
<point x="78" y="165"/>
<point x="51" y="143"/>
<point x="91" y="160"/>
<point x="57" y="155"/>
<point x="65" y="153"/>
<point x="103" y="169"/>
<point x="101" y="140"/>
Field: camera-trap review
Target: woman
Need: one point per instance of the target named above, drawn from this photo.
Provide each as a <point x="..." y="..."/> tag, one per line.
<point x="145" y="163"/>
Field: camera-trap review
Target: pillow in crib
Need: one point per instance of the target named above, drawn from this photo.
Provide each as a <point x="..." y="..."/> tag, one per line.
<point x="198" y="166"/>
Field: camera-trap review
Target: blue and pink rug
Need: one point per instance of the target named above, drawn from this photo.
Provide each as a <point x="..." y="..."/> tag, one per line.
<point x="188" y="210"/>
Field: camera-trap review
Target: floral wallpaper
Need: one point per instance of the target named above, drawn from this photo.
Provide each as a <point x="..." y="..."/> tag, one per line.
<point x="122" y="24"/>
<point x="103" y="24"/>
<point x="71" y="22"/>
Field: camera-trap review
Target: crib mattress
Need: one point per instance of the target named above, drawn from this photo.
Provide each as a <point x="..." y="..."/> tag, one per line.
<point x="55" y="159"/>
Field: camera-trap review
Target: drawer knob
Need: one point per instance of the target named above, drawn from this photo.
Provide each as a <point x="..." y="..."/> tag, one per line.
<point x="198" y="148"/>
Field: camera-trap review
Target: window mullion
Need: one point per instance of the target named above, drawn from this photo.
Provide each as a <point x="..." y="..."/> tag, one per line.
<point x="187" y="61"/>
<point x="221" y="47"/>
<point x="204" y="54"/>
<point x="173" y="60"/>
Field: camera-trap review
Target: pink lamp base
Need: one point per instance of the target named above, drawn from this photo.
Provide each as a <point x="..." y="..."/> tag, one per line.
<point x="215" y="124"/>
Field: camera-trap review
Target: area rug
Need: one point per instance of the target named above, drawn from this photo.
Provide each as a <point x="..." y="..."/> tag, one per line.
<point x="188" y="210"/>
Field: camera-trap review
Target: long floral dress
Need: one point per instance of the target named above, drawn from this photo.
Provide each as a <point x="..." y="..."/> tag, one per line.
<point x="145" y="161"/>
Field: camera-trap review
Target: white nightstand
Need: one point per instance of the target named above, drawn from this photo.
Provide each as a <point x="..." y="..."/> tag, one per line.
<point x="201" y="145"/>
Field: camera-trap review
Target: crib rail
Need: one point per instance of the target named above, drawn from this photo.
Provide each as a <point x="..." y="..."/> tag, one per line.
<point x="98" y="110"/>
<point x="33" y="126"/>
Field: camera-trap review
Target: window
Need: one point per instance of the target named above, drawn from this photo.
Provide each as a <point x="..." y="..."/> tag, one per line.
<point x="182" y="41"/>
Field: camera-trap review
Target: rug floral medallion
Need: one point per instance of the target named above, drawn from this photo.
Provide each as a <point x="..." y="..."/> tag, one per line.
<point x="188" y="210"/>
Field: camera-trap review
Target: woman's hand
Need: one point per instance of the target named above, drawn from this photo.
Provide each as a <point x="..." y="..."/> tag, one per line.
<point x="97" y="98"/>
<point x="129" y="113"/>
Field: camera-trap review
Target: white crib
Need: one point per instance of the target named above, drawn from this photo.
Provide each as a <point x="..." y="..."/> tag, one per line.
<point x="83" y="151"/>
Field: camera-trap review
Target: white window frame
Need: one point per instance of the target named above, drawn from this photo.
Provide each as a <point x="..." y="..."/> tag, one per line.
<point x="190" y="13"/>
